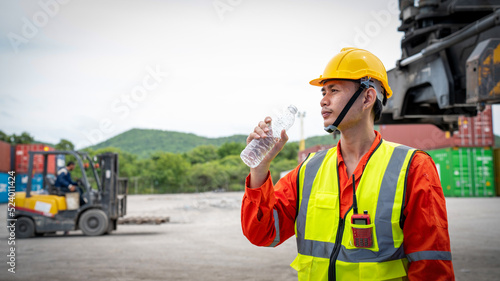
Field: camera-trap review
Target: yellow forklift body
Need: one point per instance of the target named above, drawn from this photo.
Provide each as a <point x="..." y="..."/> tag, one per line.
<point x="41" y="202"/>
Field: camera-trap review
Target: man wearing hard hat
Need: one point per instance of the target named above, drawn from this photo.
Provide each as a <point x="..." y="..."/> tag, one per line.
<point x="394" y="226"/>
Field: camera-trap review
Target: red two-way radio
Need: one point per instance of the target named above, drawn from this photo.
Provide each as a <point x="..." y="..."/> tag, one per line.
<point x="362" y="237"/>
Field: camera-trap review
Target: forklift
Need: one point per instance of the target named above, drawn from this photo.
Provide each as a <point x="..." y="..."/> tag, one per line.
<point x="49" y="210"/>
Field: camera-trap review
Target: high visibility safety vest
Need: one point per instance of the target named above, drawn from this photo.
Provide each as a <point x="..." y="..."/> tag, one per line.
<point x="325" y="240"/>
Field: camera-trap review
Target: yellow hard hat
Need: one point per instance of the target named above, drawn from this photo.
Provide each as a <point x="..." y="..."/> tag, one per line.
<point x="354" y="64"/>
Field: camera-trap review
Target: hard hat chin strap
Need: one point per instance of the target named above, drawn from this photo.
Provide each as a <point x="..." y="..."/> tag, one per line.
<point x="332" y="128"/>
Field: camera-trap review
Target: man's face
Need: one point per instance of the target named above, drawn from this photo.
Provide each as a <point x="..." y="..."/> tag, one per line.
<point x="336" y="94"/>
<point x="70" y="167"/>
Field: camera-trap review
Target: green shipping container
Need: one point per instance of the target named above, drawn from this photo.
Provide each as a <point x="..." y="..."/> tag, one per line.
<point x="443" y="165"/>
<point x="465" y="171"/>
<point x="496" y="170"/>
<point x="462" y="172"/>
<point x="484" y="172"/>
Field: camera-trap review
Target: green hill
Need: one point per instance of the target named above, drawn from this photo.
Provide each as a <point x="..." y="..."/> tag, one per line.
<point x="144" y="142"/>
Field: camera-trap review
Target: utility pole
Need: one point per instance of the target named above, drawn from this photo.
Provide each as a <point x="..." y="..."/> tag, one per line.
<point x="302" y="143"/>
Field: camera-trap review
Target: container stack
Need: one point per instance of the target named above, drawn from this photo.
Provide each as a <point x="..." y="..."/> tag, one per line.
<point x="60" y="161"/>
<point x="22" y="159"/>
<point x="464" y="161"/>
<point x="22" y="162"/>
<point x="465" y="171"/>
<point x="475" y="131"/>
<point x="36" y="182"/>
<point x="16" y="158"/>
<point x="5" y="167"/>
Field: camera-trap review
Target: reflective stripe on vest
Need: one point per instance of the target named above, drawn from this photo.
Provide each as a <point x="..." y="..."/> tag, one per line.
<point x="429" y="255"/>
<point x="276" y="229"/>
<point x="309" y="247"/>
<point x="380" y="191"/>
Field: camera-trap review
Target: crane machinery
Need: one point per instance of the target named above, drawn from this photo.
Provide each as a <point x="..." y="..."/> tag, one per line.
<point x="450" y="63"/>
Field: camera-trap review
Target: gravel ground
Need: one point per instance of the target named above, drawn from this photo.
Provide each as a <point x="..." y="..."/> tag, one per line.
<point x="203" y="241"/>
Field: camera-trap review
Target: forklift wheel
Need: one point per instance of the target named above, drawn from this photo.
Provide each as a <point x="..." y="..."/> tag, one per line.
<point x="25" y="227"/>
<point x="94" y="222"/>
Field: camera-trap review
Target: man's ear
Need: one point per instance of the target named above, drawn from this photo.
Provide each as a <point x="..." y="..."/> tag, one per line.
<point x="369" y="99"/>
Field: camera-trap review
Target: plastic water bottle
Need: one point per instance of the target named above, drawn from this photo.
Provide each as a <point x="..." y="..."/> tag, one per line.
<point x="257" y="149"/>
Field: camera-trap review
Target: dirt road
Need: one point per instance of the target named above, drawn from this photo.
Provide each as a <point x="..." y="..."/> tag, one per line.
<point x="204" y="241"/>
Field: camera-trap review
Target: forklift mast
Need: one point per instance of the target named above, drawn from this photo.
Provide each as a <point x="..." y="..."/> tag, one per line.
<point x="114" y="189"/>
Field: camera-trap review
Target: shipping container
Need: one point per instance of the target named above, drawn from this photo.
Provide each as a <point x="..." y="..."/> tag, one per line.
<point x="421" y="136"/>
<point x="4" y="187"/>
<point x="5" y="157"/>
<point x="484" y="172"/>
<point x="22" y="182"/>
<point x="60" y="161"/>
<point x="497" y="169"/>
<point x="12" y="158"/>
<point x="462" y="172"/>
<point x="465" y="171"/>
<point x="22" y="158"/>
<point x="442" y="160"/>
<point x="473" y="132"/>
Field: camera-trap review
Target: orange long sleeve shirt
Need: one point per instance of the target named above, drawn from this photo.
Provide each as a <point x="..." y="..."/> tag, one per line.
<point x="425" y="225"/>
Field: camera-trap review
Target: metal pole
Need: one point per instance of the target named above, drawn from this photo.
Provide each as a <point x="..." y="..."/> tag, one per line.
<point x="30" y="173"/>
<point x="302" y="144"/>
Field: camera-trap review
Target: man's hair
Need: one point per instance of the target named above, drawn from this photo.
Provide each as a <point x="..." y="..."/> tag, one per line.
<point x="70" y="163"/>
<point x="377" y="110"/>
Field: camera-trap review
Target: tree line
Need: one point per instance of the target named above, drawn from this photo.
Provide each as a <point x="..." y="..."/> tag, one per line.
<point x="204" y="168"/>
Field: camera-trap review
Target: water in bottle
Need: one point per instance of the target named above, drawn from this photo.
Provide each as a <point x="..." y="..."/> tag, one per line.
<point x="257" y="149"/>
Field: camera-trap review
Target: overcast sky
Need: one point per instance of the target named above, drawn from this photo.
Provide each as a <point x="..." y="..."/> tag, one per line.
<point x="88" y="70"/>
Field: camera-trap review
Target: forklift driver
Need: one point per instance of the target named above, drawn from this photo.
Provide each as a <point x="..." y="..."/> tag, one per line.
<point x="64" y="182"/>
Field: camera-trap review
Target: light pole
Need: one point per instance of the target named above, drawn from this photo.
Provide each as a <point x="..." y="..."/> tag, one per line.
<point x="302" y="143"/>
